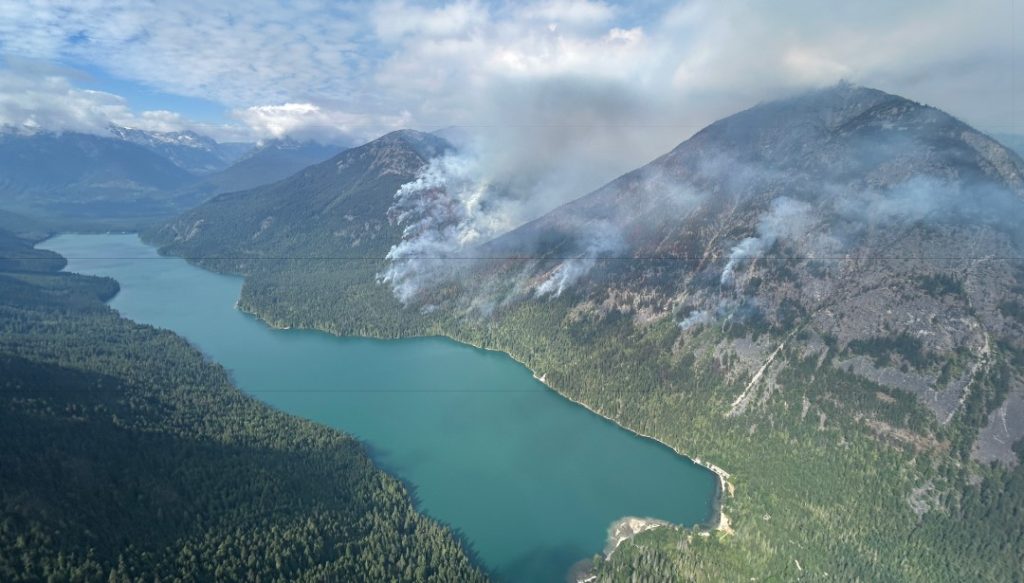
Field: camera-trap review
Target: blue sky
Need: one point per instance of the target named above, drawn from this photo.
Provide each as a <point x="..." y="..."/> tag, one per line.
<point x="601" y="84"/>
<point x="140" y="97"/>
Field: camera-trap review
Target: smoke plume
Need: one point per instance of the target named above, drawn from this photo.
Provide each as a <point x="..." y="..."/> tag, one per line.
<point x="443" y="213"/>
<point x="695" y="318"/>
<point x="787" y="218"/>
<point x="602" y="238"/>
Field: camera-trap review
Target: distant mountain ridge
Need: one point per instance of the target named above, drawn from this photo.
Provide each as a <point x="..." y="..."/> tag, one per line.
<point x="266" y="162"/>
<point x="74" y="174"/>
<point x="343" y="200"/>
<point x="131" y="177"/>
<point x="190" y="151"/>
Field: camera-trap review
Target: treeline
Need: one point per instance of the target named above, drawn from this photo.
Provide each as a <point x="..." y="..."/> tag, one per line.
<point x="836" y="477"/>
<point x="125" y="456"/>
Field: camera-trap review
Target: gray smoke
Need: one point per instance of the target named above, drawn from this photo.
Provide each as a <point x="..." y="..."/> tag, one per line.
<point x="726" y="311"/>
<point x="443" y="213"/>
<point x="787" y="218"/>
<point x="602" y="238"/>
<point x="696" y="317"/>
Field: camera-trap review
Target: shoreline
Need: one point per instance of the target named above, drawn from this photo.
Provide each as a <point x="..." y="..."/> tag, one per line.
<point x="719" y="520"/>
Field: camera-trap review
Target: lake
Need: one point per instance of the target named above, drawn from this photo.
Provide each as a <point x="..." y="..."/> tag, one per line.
<point x="530" y="480"/>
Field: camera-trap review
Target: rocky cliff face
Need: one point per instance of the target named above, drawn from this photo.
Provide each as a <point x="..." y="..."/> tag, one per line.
<point x="845" y="218"/>
<point x="862" y="229"/>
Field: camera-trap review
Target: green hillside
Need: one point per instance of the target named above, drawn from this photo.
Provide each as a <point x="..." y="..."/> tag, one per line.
<point x="836" y="476"/>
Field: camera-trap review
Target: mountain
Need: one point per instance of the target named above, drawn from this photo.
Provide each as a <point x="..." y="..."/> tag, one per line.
<point x="805" y="204"/>
<point x="823" y="295"/>
<point x="22" y="226"/>
<point x="823" y="215"/>
<point x="232" y="152"/>
<point x="76" y="180"/>
<point x="331" y="218"/>
<point x="822" y="148"/>
<point x="71" y="175"/>
<point x="337" y="206"/>
<point x="268" y="162"/>
<point x="188" y="150"/>
<point x="127" y="456"/>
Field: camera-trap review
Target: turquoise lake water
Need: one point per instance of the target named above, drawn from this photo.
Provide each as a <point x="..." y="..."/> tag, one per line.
<point x="530" y="480"/>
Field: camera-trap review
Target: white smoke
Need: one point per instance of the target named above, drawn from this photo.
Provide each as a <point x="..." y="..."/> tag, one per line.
<point x="787" y="218"/>
<point x="449" y="208"/>
<point x="726" y="311"/>
<point x="460" y="201"/>
<point x="696" y="317"/>
<point x="433" y="210"/>
<point x="603" y="238"/>
<point x="564" y="276"/>
<point x="749" y="247"/>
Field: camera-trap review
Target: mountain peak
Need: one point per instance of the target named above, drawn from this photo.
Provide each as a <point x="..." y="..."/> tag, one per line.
<point x="185" y="138"/>
<point x="187" y="149"/>
<point x="420" y="141"/>
<point x="848" y="132"/>
<point x="397" y="143"/>
<point x="344" y="200"/>
<point x="818" y="111"/>
<point x="821" y="149"/>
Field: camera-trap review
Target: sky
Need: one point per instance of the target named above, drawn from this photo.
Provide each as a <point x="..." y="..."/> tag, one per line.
<point x="602" y="86"/>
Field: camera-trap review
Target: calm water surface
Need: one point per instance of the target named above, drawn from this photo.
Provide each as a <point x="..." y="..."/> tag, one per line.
<point x="529" y="479"/>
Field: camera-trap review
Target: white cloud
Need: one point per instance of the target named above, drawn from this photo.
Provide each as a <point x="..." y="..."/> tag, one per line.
<point x="600" y="86"/>
<point x="395" y="19"/>
<point x="569" y="12"/>
<point x="33" y="101"/>
<point x="262" y="51"/>
<point x="310" y="121"/>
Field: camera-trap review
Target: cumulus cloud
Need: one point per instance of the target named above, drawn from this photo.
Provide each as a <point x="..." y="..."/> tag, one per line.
<point x="52" y="103"/>
<point x="35" y="96"/>
<point x="396" y="19"/>
<point x="570" y="12"/>
<point x="604" y="86"/>
<point x="43" y="98"/>
<point x="313" y="122"/>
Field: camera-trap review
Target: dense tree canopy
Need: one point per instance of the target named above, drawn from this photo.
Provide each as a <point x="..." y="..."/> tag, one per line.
<point x="125" y="456"/>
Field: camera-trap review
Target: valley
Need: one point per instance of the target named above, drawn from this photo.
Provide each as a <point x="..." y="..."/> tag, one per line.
<point x="468" y="431"/>
<point x="554" y="291"/>
<point x="127" y="456"/>
<point x="739" y="343"/>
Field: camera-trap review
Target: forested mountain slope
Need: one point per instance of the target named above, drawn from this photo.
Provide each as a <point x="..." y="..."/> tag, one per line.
<point x="335" y="212"/>
<point x="264" y="164"/>
<point x="821" y="295"/>
<point x="70" y="175"/>
<point x="126" y="456"/>
<point x="849" y="215"/>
